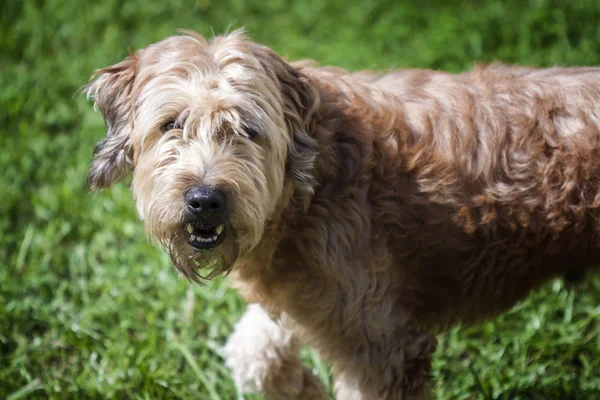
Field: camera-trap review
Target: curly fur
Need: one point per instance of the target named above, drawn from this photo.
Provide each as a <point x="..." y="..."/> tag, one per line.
<point x="373" y="210"/>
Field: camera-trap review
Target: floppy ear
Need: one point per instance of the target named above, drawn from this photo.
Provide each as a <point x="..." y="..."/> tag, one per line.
<point x="300" y="101"/>
<point x="111" y="91"/>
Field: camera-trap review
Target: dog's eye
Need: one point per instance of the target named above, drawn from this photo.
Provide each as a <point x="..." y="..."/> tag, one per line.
<point x="170" y="125"/>
<point x="251" y="133"/>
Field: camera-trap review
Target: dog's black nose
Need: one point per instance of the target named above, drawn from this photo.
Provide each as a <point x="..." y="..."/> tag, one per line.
<point x="203" y="201"/>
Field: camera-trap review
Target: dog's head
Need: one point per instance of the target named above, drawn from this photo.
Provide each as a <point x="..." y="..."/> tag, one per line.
<point x="212" y="131"/>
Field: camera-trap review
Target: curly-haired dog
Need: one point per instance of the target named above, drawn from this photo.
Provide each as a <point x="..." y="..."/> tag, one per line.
<point x="362" y="213"/>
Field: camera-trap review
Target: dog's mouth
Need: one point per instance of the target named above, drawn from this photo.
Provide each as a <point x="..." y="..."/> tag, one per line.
<point x="203" y="237"/>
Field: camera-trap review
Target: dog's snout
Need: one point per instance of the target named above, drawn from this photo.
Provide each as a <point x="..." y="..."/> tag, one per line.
<point x="203" y="201"/>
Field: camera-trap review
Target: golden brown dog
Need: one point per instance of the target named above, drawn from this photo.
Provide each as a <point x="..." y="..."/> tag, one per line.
<point x="361" y="213"/>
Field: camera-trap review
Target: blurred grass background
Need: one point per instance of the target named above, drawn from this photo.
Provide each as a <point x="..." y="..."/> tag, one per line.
<point x="89" y="309"/>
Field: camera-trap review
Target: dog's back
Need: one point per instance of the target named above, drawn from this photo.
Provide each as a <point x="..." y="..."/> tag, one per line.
<point x="485" y="184"/>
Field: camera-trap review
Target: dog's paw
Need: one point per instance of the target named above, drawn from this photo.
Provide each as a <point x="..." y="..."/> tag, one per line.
<point x="256" y="350"/>
<point x="263" y="358"/>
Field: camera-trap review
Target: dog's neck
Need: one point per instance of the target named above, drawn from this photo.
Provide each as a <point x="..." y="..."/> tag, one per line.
<point x="347" y="140"/>
<point x="250" y="270"/>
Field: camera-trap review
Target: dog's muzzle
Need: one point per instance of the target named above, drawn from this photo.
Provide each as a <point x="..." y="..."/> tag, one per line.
<point x="206" y="216"/>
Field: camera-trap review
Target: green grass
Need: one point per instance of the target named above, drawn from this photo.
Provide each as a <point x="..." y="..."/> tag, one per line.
<point x="89" y="309"/>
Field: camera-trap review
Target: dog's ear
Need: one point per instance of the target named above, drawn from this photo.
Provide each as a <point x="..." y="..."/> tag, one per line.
<point x="111" y="89"/>
<point x="300" y="101"/>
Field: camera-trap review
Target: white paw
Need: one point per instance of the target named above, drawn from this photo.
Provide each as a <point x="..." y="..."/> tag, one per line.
<point x="255" y="348"/>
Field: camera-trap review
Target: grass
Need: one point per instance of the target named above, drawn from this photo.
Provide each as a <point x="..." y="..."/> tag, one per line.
<point x="89" y="309"/>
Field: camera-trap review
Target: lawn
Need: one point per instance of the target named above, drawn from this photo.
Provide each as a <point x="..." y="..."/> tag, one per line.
<point x="90" y="309"/>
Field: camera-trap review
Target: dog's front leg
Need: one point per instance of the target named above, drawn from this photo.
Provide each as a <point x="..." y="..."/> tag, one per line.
<point x="395" y="369"/>
<point x="263" y="357"/>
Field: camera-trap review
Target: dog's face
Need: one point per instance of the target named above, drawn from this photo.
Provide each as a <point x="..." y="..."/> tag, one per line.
<point x="211" y="131"/>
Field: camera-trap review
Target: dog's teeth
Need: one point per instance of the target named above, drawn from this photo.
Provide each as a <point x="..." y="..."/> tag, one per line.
<point x="219" y="229"/>
<point x="206" y="238"/>
<point x="190" y="228"/>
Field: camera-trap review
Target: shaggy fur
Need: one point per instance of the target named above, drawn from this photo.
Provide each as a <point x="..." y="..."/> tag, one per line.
<point x="367" y="212"/>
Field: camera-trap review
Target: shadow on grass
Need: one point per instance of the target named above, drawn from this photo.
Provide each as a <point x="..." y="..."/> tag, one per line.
<point x="548" y="392"/>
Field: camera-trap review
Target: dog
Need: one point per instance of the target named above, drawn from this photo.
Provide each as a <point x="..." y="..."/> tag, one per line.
<point x="358" y="213"/>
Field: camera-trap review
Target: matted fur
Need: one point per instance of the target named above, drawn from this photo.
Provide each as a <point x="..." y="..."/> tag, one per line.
<point x="370" y="211"/>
